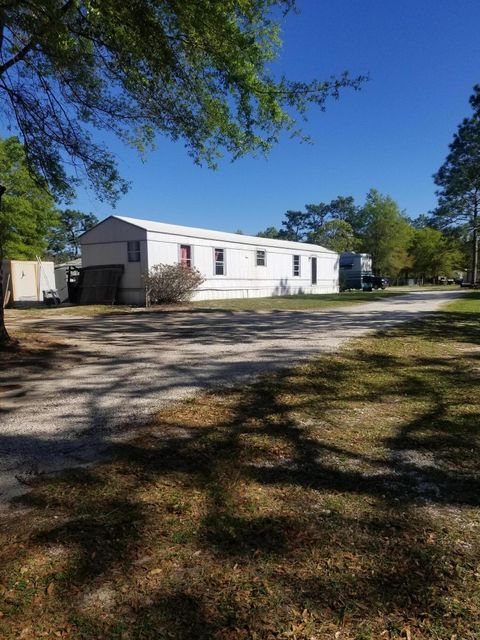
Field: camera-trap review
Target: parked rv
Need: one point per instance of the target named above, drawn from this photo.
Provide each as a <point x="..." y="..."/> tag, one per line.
<point x="355" y="271"/>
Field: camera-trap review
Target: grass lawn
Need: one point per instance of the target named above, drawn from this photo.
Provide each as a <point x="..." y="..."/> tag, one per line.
<point x="303" y="302"/>
<point x="338" y="500"/>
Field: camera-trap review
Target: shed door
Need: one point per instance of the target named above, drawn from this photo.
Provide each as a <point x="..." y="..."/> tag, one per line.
<point x="314" y="271"/>
<point x="25" y="282"/>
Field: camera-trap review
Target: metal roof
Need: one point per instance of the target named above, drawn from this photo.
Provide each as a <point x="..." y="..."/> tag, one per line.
<point x="218" y="236"/>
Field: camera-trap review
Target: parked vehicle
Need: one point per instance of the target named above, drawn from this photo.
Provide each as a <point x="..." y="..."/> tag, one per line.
<point x="355" y="271"/>
<point x="355" y="281"/>
<point x="379" y="282"/>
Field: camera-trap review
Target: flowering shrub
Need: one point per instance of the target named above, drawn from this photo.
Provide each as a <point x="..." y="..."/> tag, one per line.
<point x="170" y="283"/>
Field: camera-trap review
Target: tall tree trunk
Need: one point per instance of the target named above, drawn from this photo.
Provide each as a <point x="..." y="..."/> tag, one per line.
<point x="475" y="243"/>
<point x="475" y="256"/>
<point x="5" y="339"/>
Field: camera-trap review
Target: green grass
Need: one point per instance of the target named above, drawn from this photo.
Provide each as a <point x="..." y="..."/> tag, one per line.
<point x="339" y="499"/>
<point x="300" y="302"/>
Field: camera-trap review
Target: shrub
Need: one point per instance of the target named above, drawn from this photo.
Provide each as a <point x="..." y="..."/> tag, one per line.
<point x="169" y="283"/>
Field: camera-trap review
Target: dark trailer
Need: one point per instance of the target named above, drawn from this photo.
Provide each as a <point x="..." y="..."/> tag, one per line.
<point x="355" y="271"/>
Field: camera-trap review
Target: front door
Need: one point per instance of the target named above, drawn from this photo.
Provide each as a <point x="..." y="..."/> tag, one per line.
<point x="314" y="271"/>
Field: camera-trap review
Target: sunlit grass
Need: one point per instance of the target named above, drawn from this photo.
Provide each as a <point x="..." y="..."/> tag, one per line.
<point x="299" y="302"/>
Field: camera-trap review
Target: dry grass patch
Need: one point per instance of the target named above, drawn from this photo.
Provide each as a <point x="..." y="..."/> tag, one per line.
<point x="336" y="500"/>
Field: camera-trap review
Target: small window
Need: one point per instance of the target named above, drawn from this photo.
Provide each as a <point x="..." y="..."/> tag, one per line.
<point x="261" y="258"/>
<point x="186" y="255"/>
<point x="219" y="262"/>
<point x="133" y="249"/>
<point x="296" y="265"/>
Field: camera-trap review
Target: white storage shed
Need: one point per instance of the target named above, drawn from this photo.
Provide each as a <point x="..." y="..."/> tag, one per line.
<point x="24" y="281"/>
<point x="234" y="265"/>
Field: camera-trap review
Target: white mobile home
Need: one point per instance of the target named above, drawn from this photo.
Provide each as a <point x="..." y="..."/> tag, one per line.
<point x="234" y="265"/>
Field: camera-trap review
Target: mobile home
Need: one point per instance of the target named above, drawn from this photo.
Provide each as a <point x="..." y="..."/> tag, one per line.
<point x="233" y="265"/>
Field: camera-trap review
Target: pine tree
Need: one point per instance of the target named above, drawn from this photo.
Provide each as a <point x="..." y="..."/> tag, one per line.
<point x="459" y="181"/>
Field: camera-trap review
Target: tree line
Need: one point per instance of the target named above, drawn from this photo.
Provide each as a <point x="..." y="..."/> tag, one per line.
<point x="441" y="242"/>
<point x="400" y="247"/>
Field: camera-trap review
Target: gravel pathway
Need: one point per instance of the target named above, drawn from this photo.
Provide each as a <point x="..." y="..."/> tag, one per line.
<point x="117" y="369"/>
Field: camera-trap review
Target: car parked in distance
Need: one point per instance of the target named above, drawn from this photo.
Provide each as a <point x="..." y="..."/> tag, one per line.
<point x="379" y="282"/>
<point x="365" y="282"/>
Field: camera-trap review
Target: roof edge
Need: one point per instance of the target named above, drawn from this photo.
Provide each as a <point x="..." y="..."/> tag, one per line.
<point x="235" y="237"/>
<point x="132" y="224"/>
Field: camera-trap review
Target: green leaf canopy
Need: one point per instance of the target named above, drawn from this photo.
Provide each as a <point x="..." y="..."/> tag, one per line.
<point x="196" y="70"/>
<point x="27" y="211"/>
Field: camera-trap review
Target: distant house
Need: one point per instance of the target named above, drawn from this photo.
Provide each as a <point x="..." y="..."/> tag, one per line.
<point x="234" y="266"/>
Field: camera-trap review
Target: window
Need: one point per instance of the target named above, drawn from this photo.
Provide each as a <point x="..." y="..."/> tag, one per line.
<point x="219" y="262"/>
<point x="133" y="249"/>
<point x="186" y="255"/>
<point x="261" y="258"/>
<point x="296" y="265"/>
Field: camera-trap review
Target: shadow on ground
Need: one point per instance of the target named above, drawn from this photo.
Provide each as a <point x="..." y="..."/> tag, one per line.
<point x="339" y="497"/>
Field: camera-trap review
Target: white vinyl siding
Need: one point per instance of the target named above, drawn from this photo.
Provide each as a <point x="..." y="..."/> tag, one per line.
<point x="239" y="275"/>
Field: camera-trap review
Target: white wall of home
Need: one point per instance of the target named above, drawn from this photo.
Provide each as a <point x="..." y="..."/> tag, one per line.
<point x="107" y="243"/>
<point x="242" y="277"/>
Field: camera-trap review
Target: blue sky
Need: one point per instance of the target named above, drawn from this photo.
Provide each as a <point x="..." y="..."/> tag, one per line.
<point x="423" y="59"/>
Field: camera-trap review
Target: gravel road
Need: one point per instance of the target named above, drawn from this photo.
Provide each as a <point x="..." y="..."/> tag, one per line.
<point x="115" y="370"/>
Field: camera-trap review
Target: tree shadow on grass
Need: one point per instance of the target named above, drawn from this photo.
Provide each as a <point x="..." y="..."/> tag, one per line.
<point x="336" y="497"/>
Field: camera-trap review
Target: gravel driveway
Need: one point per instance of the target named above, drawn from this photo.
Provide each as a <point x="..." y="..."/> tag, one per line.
<point x="117" y="369"/>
